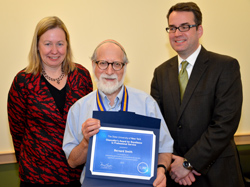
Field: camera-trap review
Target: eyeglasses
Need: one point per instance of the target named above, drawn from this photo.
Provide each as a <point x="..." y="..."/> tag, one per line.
<point x="182" y="28"/>
<point x="104" y="65"/>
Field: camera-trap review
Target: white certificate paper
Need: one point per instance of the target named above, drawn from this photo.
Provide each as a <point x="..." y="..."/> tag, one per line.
<point x="121" y="152"/>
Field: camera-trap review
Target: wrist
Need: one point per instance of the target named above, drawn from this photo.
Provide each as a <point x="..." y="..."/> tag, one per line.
<point x="84" y="143"/>
<point x="162" y="166"/>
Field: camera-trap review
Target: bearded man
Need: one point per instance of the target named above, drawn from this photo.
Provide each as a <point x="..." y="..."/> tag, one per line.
<point x="109" y="62"/>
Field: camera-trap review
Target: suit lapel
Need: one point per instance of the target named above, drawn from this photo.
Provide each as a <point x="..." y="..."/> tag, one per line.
<point x="197" y="72"/>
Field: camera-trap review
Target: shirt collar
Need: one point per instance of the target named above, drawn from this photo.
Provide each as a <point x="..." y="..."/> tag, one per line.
<point x="192" y="58"/>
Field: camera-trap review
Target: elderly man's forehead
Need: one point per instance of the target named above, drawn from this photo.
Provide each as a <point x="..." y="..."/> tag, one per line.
<point x="110" y="50"/>
<point x="111" y="41"/>
<point x="109" y="46"/>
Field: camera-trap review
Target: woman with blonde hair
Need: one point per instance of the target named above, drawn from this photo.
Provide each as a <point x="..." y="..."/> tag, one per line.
<point x="38" y="102"/>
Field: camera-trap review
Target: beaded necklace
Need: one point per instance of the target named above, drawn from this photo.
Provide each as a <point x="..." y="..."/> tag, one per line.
<point x="52" y="79"/>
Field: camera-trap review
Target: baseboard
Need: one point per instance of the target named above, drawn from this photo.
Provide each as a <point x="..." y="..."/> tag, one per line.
<point x="9" y="157"/>
<point x="242" y="139"/>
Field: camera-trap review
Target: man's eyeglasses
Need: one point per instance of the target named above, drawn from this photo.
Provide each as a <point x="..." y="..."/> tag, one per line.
<point x="104" y="65"/>
<point x="182" y="28"/>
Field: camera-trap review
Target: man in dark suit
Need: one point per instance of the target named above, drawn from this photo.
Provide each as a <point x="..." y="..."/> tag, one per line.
<point x="203" y="121"/>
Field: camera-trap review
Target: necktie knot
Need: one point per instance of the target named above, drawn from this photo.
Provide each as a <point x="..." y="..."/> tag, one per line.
<point x="183" y="66"/>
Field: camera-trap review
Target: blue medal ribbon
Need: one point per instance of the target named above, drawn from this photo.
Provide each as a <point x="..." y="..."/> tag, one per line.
<point x="124" y="104"/>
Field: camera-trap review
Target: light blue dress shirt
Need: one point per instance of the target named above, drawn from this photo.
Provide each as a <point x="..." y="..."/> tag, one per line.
<point x="139" y="102"/>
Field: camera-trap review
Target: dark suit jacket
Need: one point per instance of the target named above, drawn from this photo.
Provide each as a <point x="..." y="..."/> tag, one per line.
<point x="203" y="126"/>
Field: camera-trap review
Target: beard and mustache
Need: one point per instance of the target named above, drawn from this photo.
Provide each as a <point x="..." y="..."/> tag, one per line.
<point x="109" y="87"/>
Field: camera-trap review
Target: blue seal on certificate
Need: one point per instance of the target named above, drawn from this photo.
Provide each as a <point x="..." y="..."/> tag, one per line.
<point x="124" y="150"/>
<point x="142" y="167"/>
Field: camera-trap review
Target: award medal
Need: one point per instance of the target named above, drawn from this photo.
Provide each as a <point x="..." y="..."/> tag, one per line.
<point x="124" y="104"/>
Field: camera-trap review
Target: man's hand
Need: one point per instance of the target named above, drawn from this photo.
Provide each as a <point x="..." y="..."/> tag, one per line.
<point x="78" y="155"/>
<point x="177" y="170"/>
<point x="180" y="174"/>
<point x="189" y="179"/>
<point x="90" y="127"/>
<point x="161" y="180"/>
<point x="164" y="159"/>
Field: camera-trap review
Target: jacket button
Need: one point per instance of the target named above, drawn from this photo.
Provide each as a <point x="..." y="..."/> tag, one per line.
<point x="179" y="126"/>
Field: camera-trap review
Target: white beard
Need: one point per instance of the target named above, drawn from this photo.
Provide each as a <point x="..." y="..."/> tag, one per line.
<point x="109" y="87"/>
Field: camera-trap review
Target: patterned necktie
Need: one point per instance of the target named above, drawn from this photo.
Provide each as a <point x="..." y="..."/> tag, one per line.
<point x="183" y="78"/>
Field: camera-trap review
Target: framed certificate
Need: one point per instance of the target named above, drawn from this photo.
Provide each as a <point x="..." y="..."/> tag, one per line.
<point x="124" y="151"/>
<point x="120" y="152"/>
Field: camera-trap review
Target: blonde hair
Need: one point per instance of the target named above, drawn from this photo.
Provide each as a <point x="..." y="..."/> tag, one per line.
<point x="35" y="62"/>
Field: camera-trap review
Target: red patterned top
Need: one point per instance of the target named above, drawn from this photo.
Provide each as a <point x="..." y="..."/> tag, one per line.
<point x="37" y="126"/>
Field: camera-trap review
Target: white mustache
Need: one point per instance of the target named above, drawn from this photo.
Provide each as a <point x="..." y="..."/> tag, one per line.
<point x="104" y="76"/>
